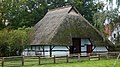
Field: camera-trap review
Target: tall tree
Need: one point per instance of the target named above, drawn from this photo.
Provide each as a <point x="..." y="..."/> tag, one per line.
<point x="99" y="19"/>
<point x="22" y="12"/>
<point x="111" y="2"/>
<point x="86" y="7"/>
<point x="12" y="41"/>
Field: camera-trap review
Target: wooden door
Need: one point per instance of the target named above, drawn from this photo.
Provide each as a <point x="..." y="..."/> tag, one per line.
<point x="89" y="48"/>
<point x="76" y="46"/>
<point x="71" y="49"/>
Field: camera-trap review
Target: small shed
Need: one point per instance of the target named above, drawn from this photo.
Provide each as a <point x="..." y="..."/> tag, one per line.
<point x="65" y="26"/>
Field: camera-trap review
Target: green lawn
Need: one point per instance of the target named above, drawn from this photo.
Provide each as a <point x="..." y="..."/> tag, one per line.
<point x="30" y="62"/>
<point x="100" y="63"/>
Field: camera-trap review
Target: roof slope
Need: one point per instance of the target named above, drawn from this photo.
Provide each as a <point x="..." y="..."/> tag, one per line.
<point x="59" y="26"/>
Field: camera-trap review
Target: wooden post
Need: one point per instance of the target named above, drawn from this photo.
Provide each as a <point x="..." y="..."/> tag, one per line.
<point x="50" y="51"/>
<point x="98" y="56"/>
<point x="22" y="60"/>
<point x="27" y="51"/>
<point x="78" y="57"/>
<point x="43" y="51"/>
<point x="107" y="57"/>
<point x="39" y="59"/>
<point x="35" y="51"/>
<point x="39" y="48"/>
<point x="3" y="62"/>
<point x="31" y="47"/>
<point x="67" y="58"/>
<point x="89" y="55"/>
<point x="54" y="59"/>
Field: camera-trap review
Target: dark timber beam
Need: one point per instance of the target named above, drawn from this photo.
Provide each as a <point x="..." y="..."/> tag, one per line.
<point x="92" y="43"/>
<point x="93" y="48"/>
<point x="27" y="51"/>
<point x="51" y="47"/>
<point x="35" y="50"/>
<point x="68" y="47"/>
<point x="50" y="51"/>
<point x="107" y="48"/>
<point x="31" y="48"/>
<point x="39" y="48"/>
<point x="43" y="51"/>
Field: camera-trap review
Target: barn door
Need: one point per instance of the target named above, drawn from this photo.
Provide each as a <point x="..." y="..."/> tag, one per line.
<point x="89" y="48"/>
<point x="76" y="48"/>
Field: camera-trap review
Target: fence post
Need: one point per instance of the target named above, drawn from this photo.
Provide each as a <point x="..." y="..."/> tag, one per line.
<point x="54" y="59"/>
<point x="39" y="59"/>
<point x="89" y="55"/>
<point x="22" y="60"/>
<point x="3" y="62"/>
<point x="78" y="57"/>
<point x="67" y="58"/>
<point x="107" y="56"/>
<point x="98" y="56"/>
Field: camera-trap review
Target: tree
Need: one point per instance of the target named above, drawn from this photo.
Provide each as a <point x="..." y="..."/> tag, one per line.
<point x="111" y="3"/>
<point x="28" y="12"/>
<point x="113" y="12"/>
<point x="98" y="20"/>
<point x="19" y="39"/>
<point x="21" y="12"/>
<point x="86" y="7"/>
<point x="100" y="17"/>
<point x="57" y="3"/>
<point x="4" y="43"/>
<point x="13" y="41"/>
<point x="110" y="13"/>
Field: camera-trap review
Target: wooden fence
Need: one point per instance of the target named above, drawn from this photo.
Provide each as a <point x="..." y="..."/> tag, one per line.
<point x="55" y="58"/>
<point x="67" y="58"/>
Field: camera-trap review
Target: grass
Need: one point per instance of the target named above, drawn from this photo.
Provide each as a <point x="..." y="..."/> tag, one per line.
<point x="100" y="63"/>
<point x="60" y="62"/>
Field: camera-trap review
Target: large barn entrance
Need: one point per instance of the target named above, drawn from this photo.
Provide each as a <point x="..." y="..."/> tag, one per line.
<point x="81" y="45"/>
<point x="76" y="47"/>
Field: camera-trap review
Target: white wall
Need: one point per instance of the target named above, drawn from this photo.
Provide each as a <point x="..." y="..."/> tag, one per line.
<point x="62" y="53"/>
<point x="100" y="49"/>
<point x="47" y="53"/>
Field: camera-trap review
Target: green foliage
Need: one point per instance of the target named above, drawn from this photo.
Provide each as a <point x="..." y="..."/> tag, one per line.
<point x="4" y="43"/>
<point x="117" y="2"/>
<point x="98" y="20"/>
<point x="113" y="13"/>
<point x="88" y="8"/>
<point x="12" y="41"/>
<point x="21" y="12"/>
<point x="56" y="3"/>
<point x="100" y="17"/>
<point x="28" y="12"/>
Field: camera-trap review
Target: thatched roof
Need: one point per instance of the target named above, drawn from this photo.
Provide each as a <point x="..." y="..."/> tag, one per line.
<point x="60" y="25"/>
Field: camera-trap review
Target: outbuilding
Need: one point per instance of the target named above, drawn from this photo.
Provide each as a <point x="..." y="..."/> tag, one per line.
<point x="64" y="30"/>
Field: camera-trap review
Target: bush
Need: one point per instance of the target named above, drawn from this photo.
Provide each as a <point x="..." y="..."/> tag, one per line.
<point x="12" y="42"/>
